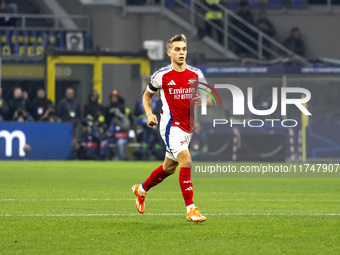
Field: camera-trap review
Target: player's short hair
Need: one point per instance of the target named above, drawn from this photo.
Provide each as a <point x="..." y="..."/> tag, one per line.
<point x="175" y="38"/>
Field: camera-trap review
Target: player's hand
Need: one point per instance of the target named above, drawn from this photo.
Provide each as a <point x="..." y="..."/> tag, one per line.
<point x="152" y="120"/>
<point x="198" y="100"/>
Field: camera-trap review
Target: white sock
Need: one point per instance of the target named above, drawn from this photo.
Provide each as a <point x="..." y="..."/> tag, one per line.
<point x="141" y="191"/>
<point x="189" y="207"/>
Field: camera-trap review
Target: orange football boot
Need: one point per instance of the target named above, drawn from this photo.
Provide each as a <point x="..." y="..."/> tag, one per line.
<point x="195" y="215"/>
<point x="140" y="199"/>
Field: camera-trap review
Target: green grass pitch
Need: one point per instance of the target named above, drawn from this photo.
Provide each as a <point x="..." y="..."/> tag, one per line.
<point x="89" y="208"/>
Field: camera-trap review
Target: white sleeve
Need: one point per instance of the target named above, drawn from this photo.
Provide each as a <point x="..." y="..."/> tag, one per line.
<point x="155" y="83"/>
<point x="201" y="77"/>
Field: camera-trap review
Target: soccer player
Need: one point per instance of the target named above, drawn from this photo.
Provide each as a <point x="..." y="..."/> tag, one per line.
<point x="176" y="123"/>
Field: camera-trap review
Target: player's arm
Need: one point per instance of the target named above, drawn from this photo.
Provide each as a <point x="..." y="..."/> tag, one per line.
<point x="198" y="100"/>
<point x="147" y="104"/>
<point x="209" y="101"/>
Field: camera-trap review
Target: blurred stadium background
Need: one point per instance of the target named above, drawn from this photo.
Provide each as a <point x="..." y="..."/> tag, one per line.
<point x="111" y="45"/>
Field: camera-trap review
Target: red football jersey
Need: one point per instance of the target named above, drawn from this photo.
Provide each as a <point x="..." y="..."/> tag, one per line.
<point x="176" y="92"/>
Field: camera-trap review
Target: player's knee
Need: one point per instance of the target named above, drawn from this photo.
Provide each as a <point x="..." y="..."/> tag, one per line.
<point x="184" y="159"/>
<point x="170" y="170"/>
<point x="186" y="162"/>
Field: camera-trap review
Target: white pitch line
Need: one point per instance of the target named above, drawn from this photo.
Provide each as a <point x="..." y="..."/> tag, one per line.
<point x="164" y="214"/>
<point x="65" y="199"/>
<point x="163" y="199"/>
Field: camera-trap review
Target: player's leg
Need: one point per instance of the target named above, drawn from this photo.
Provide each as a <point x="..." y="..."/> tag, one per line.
<point x="169" y="165"/>
<point x="157" y="176"/>
<point x="185" y="182"/>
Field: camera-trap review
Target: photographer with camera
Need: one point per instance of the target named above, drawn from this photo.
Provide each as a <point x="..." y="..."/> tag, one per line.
<point x="21" y="115"/>
<point x="50" y="115"/>
<point x="116" y="135"/>
<point x="116" y="102"/>
<point x="90" y="142"/>
<point x="95" y="111"/>
<point x="19" y="105"/>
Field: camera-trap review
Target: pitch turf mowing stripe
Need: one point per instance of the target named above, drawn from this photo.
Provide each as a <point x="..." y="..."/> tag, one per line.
<point x="163" y="199"/>
<point x="167" y="214"/>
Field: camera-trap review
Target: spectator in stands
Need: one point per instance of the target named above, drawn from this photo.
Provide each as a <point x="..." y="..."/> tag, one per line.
<point x="40" y="104"/>
<point x="295" y="43"/>
<point x="68" y="110"/>
<point x="95" y="111"/>
<point x="3" y="107"/>
<point x="267" y="27"/>
<point x="116" y="102"/>
<point x="246" y="15"/>
<point x="90" y="143"/>
<point x="117" y="135"/>
<point x="213" y="15"/>
<point x="92" y="107"/>
<point x="6" y="21"/>
<point x="18" y="102"/>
